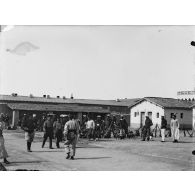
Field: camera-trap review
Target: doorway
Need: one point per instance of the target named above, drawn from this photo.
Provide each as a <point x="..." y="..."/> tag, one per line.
<point x="142" y="119"/>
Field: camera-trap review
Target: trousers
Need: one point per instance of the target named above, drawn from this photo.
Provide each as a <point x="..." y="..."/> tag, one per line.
<point x="70" y="146"/>
<point x="146" y="133"/>
<point x="3" y="152"/>
<point x="175" y="133"/>
<point x="163" y="134"/>
<point x="46" y="135"/>
<point x="90" y="133"/>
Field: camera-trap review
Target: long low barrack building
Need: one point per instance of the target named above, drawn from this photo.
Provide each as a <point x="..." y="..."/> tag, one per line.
<point x="15" y="106"/>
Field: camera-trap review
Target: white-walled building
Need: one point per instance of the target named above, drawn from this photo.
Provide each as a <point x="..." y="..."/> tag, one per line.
<point x="155" y="107"/>
<point x="193" y="111"/>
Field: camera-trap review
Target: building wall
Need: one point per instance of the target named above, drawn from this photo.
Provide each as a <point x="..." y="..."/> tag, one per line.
<point x="145" y="107"/>
<point x="185" y="122"/>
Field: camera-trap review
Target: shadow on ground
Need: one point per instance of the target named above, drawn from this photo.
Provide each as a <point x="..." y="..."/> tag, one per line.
<point x="91" y="158"/>
<point x="21" y="162"/>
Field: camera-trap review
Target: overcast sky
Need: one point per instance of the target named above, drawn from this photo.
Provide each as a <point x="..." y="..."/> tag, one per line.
<point x="99" y="62"/>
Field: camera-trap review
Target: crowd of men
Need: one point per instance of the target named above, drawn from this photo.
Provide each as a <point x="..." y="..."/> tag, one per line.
<point x="68" y="129"/>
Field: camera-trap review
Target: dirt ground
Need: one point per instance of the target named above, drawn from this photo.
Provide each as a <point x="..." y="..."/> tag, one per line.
<point x="104" y="155"/>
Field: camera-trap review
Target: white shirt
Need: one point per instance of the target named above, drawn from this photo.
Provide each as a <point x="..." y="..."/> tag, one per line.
<point x="90" y="124"/>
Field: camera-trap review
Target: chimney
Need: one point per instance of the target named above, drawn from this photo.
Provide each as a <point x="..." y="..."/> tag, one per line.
<point x="64" y="97"/>
<point x="48" y="96"/>
<point x="58" y="96"/>
<point x="72" y="97"/>
<point x="31" y="95"/>
<point x="14" y="94"/>
<point x="44" y="96"/>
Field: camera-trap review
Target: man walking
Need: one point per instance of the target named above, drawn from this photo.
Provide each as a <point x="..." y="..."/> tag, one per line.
<point x="48" y="131"/>
<point x="71" y="130"/>
<point x="163" y="128"/>
<point x="175" y="129"/>
<point x="146" y="132"/>
<point x="28" y="125"/>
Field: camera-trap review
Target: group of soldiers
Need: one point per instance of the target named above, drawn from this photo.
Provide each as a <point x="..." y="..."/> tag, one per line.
<point x="68" y="128"/>
<point x="104" y="128"/>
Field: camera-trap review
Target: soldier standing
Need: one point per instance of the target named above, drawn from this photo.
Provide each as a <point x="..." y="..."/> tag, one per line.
<point x="57" y="132"/>
<point x="163" y="128"/>
<point x="90" y="126"/>
<point x="123" y="126"/>
<point x="48" y="131"/>
<point x="98" y="127"/>
<point x="71" y="130"/>
<point x="3" y="152"/>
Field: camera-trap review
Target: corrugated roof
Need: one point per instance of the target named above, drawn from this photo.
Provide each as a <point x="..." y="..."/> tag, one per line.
<point x="121" y="102"/>
<point x="59" y="107"/>
<point x="167" y="102"/>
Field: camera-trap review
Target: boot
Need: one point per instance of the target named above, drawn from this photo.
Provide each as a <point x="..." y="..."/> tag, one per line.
<point x="68" y="155"/>
<point x="6" y="161"/>
<point x="72" y="157"/>
<point x="28" y="147"/>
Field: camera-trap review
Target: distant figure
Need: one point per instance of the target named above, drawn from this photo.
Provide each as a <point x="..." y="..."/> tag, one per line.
<point x="175" y="129"/>
<point x="28" y="125"/>
<point x="146" y="131"/>
<point x="71" y="131"/>
<point x="57" y="126"/>
<point x="90" y="126"/>
<point x="98" y="128"/>
<point x="48" y="132"/>
<point x="6" y="119"/>
<point x="123" y="127"/>
<point x="163" y="128"/>
<point x="3" y="152"/>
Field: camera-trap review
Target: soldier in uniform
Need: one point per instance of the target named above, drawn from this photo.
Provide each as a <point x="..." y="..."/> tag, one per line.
<point x="108" y="124"/>
<point x="3" y="152"/>
<point x="57" y="132"/>
<point x="146" y="131"/>
<point x="71" y="130"/>
<point x="98" y="128"/>
<point x="123" y="127"/>
<point x="48" y="131"/>
<point x="28" y="125"/>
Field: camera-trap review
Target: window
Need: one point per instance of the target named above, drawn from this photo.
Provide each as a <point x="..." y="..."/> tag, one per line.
<point x="157" y="115"/>
<point x="181" y="115"/>
<point x="135" y="114"/>
<point x="150" y="115"/>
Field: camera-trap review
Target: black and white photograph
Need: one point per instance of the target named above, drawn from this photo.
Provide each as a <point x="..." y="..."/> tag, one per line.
<point x="97" y="98"/>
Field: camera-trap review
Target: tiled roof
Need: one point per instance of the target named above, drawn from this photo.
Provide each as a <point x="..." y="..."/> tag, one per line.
<point x="54" y="107"/>
<point x="121" y="102"/>
<point x="167" y="102"/>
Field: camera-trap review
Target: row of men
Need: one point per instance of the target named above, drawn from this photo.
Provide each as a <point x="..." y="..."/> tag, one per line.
<point x="174" y="127"/>
<point x="96" y="129"/>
